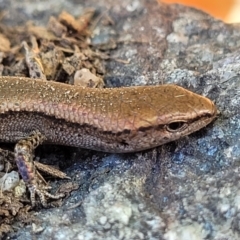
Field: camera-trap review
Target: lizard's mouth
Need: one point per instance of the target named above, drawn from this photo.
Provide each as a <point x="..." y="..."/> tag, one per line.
<point x="185" y="127"/>
<point x="206" y="117"/>
<point x="185" y="124"/>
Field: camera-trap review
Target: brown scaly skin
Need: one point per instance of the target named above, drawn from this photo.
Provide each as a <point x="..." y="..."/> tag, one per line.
<point x="113" y="120"/>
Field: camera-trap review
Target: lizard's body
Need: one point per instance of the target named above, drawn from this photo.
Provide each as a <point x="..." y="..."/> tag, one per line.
<point x="112" y="120"/>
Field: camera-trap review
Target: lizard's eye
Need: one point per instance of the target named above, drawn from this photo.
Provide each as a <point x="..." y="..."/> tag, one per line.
<point x="176" y="126"/>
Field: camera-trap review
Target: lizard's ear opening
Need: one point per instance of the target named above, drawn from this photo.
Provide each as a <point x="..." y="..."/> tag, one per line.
<point x="176" y="126"/>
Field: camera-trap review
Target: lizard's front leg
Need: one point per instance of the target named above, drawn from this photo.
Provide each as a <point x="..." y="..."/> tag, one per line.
<point x="23" y="152"/>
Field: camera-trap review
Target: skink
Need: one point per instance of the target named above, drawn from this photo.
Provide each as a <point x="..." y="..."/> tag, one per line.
<point x="127" y="119"/>
<point x="113" y="120"/>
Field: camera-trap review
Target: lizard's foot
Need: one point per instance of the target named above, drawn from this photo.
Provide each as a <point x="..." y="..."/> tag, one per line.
<point x="42" y="192"/>
<point x="23" y="152"/>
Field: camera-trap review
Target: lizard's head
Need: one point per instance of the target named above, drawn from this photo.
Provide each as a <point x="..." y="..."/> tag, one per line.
<point x="145" y="117"/>
<point x="186" y="113"/>
<point x="167" y="113"/>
